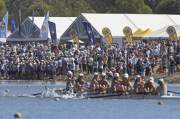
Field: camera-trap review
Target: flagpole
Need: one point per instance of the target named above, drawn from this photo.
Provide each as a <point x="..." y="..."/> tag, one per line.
<point x="19" y="21"/>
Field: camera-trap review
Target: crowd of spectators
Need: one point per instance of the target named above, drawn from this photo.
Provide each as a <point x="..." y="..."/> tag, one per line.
<point x="37" y="61"/>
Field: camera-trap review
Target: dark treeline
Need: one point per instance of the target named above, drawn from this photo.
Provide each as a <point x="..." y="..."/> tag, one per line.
<point x="75" y="7"/>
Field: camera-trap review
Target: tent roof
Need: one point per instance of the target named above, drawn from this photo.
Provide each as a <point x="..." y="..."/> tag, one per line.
<point x="162" y="32"/>
<point x="115" y="22"/>
<point x="62" y="23"/>
<point x="152" y="21"/>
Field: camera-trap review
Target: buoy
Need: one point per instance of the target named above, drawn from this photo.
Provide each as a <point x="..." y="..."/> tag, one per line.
<point x="160" y="103"/>
<point x="6" y="91"/>
<point x="17" y="115"/>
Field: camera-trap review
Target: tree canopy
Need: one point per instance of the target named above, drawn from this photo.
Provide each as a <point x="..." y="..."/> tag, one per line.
<point x="76" y="7"/>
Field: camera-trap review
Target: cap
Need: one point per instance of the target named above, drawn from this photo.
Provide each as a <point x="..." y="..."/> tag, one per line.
<point x="126" y="75"/>
<point x="151" y="79"/>
<point x="161" y="80"/>
<point x="116" y="75"/>
<point x="70" y="73"/>
<point x="81" y="74"/>
<point x="95" y="73"/>
<point x="103" y="74"/>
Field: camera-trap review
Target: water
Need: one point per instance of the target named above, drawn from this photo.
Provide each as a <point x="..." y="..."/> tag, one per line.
<point x="38" y="108"/>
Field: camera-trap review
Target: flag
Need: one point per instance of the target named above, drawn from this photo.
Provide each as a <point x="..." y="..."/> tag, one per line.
<point x="19" y="21"/>
<point x="89" y="31"/>
<point x="52" y="29"/>
<point x="74" y="37"/>
<point x="33" y="17"/>
<point x="172" y="33"/>
<point x="128" y="34"/>
<point x="13" y="25"/>
<point x="45" y="27"/>
<point x="4" y="26"/>
<point x="107" y="35"/>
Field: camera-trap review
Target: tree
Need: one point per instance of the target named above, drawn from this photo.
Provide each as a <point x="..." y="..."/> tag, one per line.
<point x="132" y="6"/>
<point x="168" y="7"/>
<point x="71" y="7"/>
<point x="2" y="8"/>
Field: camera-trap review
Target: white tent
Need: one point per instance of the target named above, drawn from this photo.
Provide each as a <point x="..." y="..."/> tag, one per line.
<point x="152" y="21"/>
<point x="115" y="22"/>
<point x="162" y="32"/>
<point x="62" y="23"/>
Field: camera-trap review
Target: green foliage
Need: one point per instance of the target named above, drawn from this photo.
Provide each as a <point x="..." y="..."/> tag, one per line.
<point x="2" y="8"/>
<point x="132" y="6"/>
<point x="168" y="7"/>
<point x="76" y="7"/>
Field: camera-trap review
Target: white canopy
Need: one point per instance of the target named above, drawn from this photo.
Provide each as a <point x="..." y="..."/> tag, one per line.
<point x="116" y="22"/>
<point x="162" y="32"/>
<point x="62" y="23"/>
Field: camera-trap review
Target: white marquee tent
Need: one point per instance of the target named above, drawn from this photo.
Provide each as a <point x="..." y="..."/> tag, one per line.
<point x="62" y="23"/>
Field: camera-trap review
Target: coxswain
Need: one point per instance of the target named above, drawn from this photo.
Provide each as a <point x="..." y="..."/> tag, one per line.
<point x="103" y="84"/>
<point x="79" y="83"/>
<point x="150" y="87"/>
<point x="94" y="85"/>
<point x="117" y="85"/>
<point x="69" y="81"/>
<point x="162" y="88"/>
<point x="126" y="83"/>
<point x="139" y="85"/>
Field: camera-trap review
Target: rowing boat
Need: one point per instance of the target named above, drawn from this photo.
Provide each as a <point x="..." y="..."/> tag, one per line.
<point x="90" y="95"/>
<point x="132" y="96"/>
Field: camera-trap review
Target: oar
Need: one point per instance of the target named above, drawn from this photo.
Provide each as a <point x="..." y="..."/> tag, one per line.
<point x="173" y="92"/>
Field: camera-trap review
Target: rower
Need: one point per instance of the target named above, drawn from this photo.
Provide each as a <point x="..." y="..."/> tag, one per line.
<point x="103" y="84"/>
<point x="69" y="81"/>
<point x="162" y="88"/>
<point x="126" y="83"/>
<point x="80" y="83"/>
<point x="139" y="85"/>
<point x="117" y="85"/>
<point x="94" y="85"/>
<point x="150" y="87"/>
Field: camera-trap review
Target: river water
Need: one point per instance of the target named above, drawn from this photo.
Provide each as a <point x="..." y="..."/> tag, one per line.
<point x="39" y="108"/>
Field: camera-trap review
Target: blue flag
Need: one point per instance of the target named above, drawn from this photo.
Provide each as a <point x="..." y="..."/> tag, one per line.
<point x="89" y="31"/>
<point x="45" y="27"/>
<point x="52" y="29"/>
<point x="13" y="25"/>
<point x="4" y="26"/>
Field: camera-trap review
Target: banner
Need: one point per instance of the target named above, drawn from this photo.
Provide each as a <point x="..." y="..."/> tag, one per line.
<point x="4" y="26"/>
<point x="52" y="29"/>
<point x="128" y="34"/>
<point x="89" y="31"/>
<point x="172" y="33"/>
<point x="45" y="27"/>
<point x="107" y="35"/>
<point x="75" y="37"/>
<point x="13" y="25"/>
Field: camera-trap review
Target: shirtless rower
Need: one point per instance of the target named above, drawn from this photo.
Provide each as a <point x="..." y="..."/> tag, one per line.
<point x="79" y="83"/>
<point x="69" y="81"/>
<point x="139" y="85"/>
<point x="117" y="85"/>
<point x="162" y="88"/>
<point x="126" y="83"/>
<point x="150" y="87"/>
<point x="94" y="85"/>
<point x="103" y="84"/>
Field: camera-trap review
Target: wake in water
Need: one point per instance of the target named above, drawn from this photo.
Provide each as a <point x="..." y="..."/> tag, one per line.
<point x="47" y="93"/>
